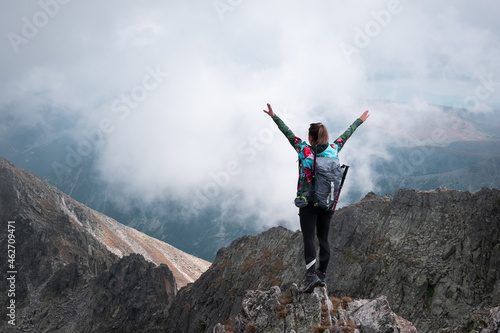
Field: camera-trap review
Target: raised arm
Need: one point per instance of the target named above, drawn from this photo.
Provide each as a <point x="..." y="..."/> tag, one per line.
<point x="269" y="111"/>
<point x="347" y="134"/>
<point x="295" y="141"/>
<point x="364" y="116"/>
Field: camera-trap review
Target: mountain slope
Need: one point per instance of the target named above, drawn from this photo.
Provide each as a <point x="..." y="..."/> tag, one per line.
<point x="123" y="240"/>
<point x="465" y="166"/>
<point x="118" y="238"/>
<point x="272" y="258"/>
<point x="73" y="269"/>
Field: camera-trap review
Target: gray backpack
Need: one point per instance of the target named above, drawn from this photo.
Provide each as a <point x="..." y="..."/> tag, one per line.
<point x="327" y="179"/>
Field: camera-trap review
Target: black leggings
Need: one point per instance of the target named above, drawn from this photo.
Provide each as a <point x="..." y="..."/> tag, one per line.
<point x="312" y="220"/>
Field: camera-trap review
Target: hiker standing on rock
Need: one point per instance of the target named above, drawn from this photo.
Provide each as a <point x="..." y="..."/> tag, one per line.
<point x="313" y="219"/>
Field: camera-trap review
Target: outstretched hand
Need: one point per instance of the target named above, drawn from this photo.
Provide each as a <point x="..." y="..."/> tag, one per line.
<point x="364" y="116"/>
<point x="269" y="112"/>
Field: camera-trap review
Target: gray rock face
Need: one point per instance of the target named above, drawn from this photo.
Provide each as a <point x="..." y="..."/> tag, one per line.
<point x="481" y="322"/>
<point x="435" y="254"/>
<point x="275" y="312"/>
<point x="494" y="322"/>
<point x="272" y="311"/>
<point x="242" y="292"/>
<point x="272" y="258"/>
<point x="66" y="280"/>
<point x="376" y="316"/>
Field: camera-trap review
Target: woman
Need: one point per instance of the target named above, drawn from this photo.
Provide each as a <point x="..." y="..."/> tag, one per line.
<point x="314" y="220"/>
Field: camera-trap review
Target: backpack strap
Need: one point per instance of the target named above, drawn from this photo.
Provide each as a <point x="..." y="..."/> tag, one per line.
<point x="312" y="189"/>
<point x="314" y="163"/>
<point x="345" y="167"/>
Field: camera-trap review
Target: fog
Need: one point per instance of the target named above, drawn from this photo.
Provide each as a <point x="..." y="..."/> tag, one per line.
<point x="167" y="97"/>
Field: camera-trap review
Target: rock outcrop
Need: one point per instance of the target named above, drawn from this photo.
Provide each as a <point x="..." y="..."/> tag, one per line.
<point x="435" y="254"/>
<point x="273" y="311"/>
<point x="376" y="316"/>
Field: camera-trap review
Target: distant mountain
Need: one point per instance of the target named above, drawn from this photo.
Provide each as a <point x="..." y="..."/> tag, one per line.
<point x="465" y="166"/>
<point x="72" y="269"/>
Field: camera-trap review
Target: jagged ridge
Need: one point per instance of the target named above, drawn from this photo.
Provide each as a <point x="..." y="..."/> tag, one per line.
<point x="435" y="254"/>
<point x="77" y="270"/>
<point x="118" y="238"/>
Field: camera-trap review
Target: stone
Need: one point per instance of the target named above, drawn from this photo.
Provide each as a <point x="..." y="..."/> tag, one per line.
<point x="265" y="311"/>
<point x="377" y="316"/>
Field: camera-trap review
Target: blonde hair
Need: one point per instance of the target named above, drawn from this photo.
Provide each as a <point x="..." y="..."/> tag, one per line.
<point x="318" y="134"/>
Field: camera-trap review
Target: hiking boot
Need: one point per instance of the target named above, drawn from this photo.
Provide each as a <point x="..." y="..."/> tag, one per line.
<point x="322" y="278"/>
<point x="312" y="281"/>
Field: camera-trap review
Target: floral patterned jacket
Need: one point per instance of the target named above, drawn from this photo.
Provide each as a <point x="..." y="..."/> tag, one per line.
<point x="305" y="151"/>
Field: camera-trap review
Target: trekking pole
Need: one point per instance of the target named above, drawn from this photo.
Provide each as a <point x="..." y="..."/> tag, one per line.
<point x="346" y="167"/>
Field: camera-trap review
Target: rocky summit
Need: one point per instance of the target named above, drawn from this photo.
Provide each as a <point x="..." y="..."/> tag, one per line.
<point x="433" y="256"/>
<point x="252" y="286"/>
<point x="275" y="311"/>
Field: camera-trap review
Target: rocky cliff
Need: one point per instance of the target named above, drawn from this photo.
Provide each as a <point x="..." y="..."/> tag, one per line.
<point x="252" y="287"/>
<point x="435" y="254"/>
<point x="275" y="311"/>
<point x="272" y="258"/>
<point x="71" y="269"/>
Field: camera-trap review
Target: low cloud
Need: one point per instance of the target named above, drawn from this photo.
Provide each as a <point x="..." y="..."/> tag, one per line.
<point x="196" y="128"/>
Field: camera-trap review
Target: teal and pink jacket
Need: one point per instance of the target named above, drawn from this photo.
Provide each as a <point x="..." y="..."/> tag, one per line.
<point x="305" y="151"/>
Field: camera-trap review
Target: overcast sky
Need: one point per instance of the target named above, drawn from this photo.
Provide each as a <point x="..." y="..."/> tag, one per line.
<point x="173" y="92"/>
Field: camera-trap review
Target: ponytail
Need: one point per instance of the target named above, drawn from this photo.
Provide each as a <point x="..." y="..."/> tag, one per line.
<point x="318" y="133"/>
